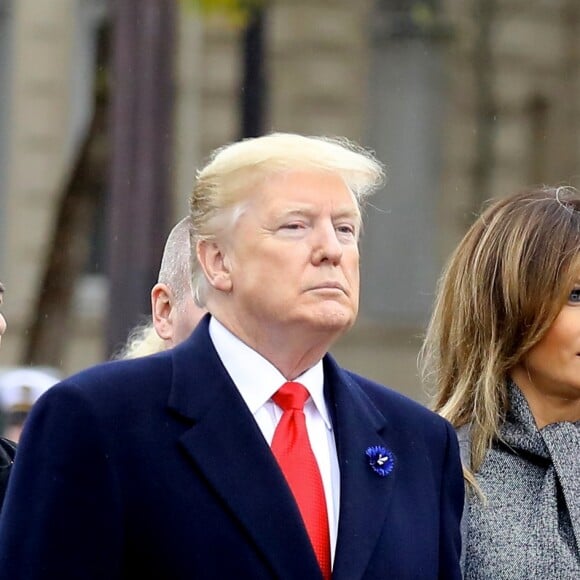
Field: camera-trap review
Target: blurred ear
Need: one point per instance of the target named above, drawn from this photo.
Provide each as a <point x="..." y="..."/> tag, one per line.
<point x="214" y="264"/>
<point x="161" y="306"/>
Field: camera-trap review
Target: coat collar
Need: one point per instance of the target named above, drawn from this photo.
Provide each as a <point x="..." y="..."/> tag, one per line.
<point x="364" y="495"/>
<point x="255" y="491"/>
<point x="226" y="444"/>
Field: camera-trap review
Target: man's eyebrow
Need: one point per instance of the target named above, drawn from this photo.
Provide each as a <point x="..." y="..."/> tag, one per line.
<point x="347" y="213"/>
<point x="307" y="209"/>
<point x="1" y="288"/>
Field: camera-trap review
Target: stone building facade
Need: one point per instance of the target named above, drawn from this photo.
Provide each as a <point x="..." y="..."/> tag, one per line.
<point x="462" y="100"/>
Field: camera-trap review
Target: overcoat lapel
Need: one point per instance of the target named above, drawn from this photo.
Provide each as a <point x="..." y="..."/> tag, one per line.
<point x="364" y="494"/>
<point x="227" y="446"/>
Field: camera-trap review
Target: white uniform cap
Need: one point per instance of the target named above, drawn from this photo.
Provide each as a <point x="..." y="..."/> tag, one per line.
<point x="20" y="388"/>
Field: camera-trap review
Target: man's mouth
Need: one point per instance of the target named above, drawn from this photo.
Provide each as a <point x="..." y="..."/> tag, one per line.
<point x="336" y="286"/>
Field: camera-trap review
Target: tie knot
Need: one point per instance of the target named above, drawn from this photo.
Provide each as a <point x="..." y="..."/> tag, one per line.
<point x="291" y="396"/>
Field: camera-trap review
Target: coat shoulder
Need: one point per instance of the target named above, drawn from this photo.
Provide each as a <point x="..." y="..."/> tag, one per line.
<point x="398" y="406"/>
<point x="111" y="391"/>
<point x="139" y="373"/>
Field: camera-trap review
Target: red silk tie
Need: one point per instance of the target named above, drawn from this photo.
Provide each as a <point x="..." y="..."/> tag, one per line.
<point x="291" y="447"/>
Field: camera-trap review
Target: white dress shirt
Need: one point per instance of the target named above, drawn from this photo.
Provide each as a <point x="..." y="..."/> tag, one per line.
<point x="257" y="380"/>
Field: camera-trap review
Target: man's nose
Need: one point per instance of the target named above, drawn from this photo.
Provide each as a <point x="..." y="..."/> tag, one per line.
<point x="327" y="246"/>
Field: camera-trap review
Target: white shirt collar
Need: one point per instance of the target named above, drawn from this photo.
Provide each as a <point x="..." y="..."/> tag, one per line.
<point x="256" y="378"/>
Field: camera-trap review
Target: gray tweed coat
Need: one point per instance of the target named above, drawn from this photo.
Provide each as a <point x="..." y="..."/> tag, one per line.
<point x="529" y="525"/>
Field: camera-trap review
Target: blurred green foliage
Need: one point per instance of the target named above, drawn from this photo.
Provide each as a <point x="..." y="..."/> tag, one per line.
<point x="237" y="10"/>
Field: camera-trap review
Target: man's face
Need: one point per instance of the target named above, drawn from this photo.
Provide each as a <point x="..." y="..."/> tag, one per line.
<point x="294" y="257"/>
<point x="2" y="319"/>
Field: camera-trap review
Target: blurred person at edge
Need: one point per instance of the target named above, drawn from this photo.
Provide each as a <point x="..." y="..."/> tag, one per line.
<point x="503" y="352"/>
<point x="20" y="389"/>
<point x="174" y="312"/>
<point x="2" y="319"/>
<point x="7" y="447"/>
<point x="173" y="466"/>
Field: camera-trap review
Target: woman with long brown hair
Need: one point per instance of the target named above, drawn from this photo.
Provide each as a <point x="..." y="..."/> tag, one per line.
<point x="502" y="352"/>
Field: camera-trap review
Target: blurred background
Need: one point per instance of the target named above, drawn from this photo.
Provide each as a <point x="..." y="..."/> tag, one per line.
<point x="108" y="108"/>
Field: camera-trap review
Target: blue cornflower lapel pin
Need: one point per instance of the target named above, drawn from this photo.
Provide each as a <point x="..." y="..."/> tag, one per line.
<point x="381" y="459"/>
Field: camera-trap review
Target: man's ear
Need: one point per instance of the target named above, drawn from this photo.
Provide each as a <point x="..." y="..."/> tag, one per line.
<point x="215" y="265"/>
<point x="161" y="306"/>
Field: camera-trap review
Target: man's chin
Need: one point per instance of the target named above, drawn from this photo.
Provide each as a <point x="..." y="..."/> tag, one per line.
<point x="338" y="321"/>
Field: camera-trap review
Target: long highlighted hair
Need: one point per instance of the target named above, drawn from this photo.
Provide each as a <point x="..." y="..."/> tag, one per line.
<point x="499" y="294"/>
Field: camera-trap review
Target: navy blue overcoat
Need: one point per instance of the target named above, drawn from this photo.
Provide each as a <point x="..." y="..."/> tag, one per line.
<point x="155" y="468"/>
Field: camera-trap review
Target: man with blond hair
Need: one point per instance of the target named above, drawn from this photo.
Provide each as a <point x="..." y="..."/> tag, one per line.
<point x="245" y="452"/>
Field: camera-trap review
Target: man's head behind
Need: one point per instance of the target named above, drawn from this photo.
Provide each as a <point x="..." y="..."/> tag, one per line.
<point x="174" y="270"/>
<point x="235" y="173"/>
<point x="174" y="311"/>
<point x="174" y="314"/>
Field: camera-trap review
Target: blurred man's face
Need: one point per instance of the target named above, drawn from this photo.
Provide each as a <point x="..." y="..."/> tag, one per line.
<point x="293" y="260"/>
<point x="2" y="319"/>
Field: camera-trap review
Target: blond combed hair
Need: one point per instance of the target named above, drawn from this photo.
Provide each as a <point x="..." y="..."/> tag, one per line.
<point x="500" y="292"/>
<point x="235" y="172"/>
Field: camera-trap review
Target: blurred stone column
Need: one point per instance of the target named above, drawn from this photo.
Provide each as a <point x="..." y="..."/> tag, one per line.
<point x="188" y="108"/>
<point x="37" y="134"/>
<point x="253" y="97"/>
<point x="400" y="264"/>
<point x="142" y="137"/>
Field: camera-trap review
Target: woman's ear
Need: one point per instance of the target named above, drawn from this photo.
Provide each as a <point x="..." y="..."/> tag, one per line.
<point x="161" y="307"/>
<point x="215" y="265"/>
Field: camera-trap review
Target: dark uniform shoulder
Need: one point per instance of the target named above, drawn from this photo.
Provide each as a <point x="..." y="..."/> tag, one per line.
<point x="7" y="452"/>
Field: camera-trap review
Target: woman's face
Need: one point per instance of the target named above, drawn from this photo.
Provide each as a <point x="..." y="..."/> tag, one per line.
<point x="549" y="375"/>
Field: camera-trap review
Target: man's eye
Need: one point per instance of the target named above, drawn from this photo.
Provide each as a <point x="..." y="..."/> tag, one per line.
<point x="294" y="226"/>
<point x="346" y="229"/>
